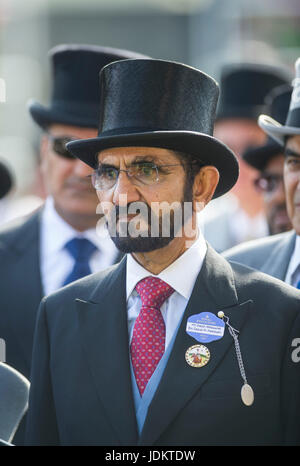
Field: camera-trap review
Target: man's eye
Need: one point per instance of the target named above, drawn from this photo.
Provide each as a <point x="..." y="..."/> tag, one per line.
<point x="146" y="170"/>
<point x="293" y="161"/>
<point x="109" y="173"/>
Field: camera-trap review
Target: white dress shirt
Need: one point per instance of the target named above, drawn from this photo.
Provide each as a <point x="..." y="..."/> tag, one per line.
<point x="55" y="261"/>
<point x="180" y="275"/>
<point x="293" y="271"/>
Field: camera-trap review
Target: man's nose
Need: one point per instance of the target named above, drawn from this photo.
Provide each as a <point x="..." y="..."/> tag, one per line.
<point x="125" y="191"/>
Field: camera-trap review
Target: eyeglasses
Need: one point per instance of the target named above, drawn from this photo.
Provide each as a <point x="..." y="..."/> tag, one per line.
<point x="141" y="173"/>
<point x="58" y="145"/>
<point x="268" y="183"/>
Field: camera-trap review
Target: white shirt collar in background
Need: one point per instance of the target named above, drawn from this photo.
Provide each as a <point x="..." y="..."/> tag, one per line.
<point x="55" y="262"/>
<point x="56" y="232"/>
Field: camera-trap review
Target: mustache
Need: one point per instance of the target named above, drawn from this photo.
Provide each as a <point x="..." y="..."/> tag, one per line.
<point x="132" y="208"/>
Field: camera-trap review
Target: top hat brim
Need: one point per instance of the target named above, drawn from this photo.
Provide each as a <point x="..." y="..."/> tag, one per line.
<point x="275" y="130"/>
<point x="44" y="117"/>
<point x="259" y="156"/>
<point x="206" y="148"/>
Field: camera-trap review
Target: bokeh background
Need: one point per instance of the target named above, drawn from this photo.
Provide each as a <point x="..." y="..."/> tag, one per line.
<point x="203" y="33"/>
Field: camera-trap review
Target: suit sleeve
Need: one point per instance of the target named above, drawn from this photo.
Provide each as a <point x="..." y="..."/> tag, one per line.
<point x="291" y="387"/>
<point x="41" y="428"/>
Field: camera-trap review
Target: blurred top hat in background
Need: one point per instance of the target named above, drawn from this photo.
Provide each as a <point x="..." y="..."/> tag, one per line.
<point x="75" y="86"/>
<point x="277" y="105"/>
<point x="277" y="130"/>
<point x="244" y="86"/>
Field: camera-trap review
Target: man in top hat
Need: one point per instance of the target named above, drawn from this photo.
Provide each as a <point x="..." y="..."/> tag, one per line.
<point x="58" y="243"/>
<point x="148" y="352"/>
<point x="240" y="215"/>
<point x="279" y="255"/>
<point x="268" y="159"/>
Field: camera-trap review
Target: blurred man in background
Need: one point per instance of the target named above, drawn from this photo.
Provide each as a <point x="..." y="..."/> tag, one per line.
<point x="279" y="255"/>
<point x="240" y="216"/>
<point x="58" y="243"/>
<point x="268" y="159"/>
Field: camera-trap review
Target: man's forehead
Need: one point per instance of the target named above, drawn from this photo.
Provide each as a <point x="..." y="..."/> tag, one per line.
<point x="276" y="162"/>
<point x="293" y="142"/>
<point x="132" y="152"/>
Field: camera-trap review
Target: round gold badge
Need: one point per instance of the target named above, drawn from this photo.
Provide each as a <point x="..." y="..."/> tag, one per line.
<point x="197" y="355"/>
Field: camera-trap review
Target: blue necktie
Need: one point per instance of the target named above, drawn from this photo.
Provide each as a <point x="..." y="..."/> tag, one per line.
<point x="81" y="250"/>
<point x="298" y="285"/>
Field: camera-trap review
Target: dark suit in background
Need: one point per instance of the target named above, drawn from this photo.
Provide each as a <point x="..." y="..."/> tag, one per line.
<point x="20" y="289"/>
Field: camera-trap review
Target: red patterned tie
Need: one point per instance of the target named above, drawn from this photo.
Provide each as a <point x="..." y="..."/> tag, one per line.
<point x="148" y="338"/>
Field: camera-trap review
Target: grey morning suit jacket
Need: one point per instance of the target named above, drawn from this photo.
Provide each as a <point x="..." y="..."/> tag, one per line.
<point x="270" y="255"/>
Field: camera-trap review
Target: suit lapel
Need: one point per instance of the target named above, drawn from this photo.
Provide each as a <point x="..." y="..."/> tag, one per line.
<point x="214" y="290"/>
<point x="104" y="336"/>
<point x="278" y="261"/>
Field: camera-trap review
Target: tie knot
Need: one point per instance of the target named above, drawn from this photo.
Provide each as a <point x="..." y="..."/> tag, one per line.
<point x="80" y="249"/>
<point x="153" y="291"/>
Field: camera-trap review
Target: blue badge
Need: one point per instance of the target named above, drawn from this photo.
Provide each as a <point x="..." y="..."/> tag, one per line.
<point x="205" y="327"/>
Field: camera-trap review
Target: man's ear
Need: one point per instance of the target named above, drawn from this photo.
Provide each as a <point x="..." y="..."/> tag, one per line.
<point x="204" y="186"/>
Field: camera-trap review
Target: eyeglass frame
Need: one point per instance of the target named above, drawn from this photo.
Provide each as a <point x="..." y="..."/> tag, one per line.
<point x="156" y="167"/>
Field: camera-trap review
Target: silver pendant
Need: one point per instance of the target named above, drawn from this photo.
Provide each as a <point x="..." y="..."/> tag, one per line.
<point x="247" y="394"/>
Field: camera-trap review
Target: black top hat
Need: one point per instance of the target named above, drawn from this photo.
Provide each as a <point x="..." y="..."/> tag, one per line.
<point x="276" y="129"/>
<point x="244" y="86"/>
<point x="6" y="180"/>
<point x="158" y="103"/>
<point x="75" y="89"/>
<point x="277" y="101"/>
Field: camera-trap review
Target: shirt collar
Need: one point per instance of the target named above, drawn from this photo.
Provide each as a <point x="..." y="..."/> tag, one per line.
<point x="191" y="260"/>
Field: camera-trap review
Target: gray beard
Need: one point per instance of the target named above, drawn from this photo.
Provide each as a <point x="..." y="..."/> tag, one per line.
<point x="129" y="244"/>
